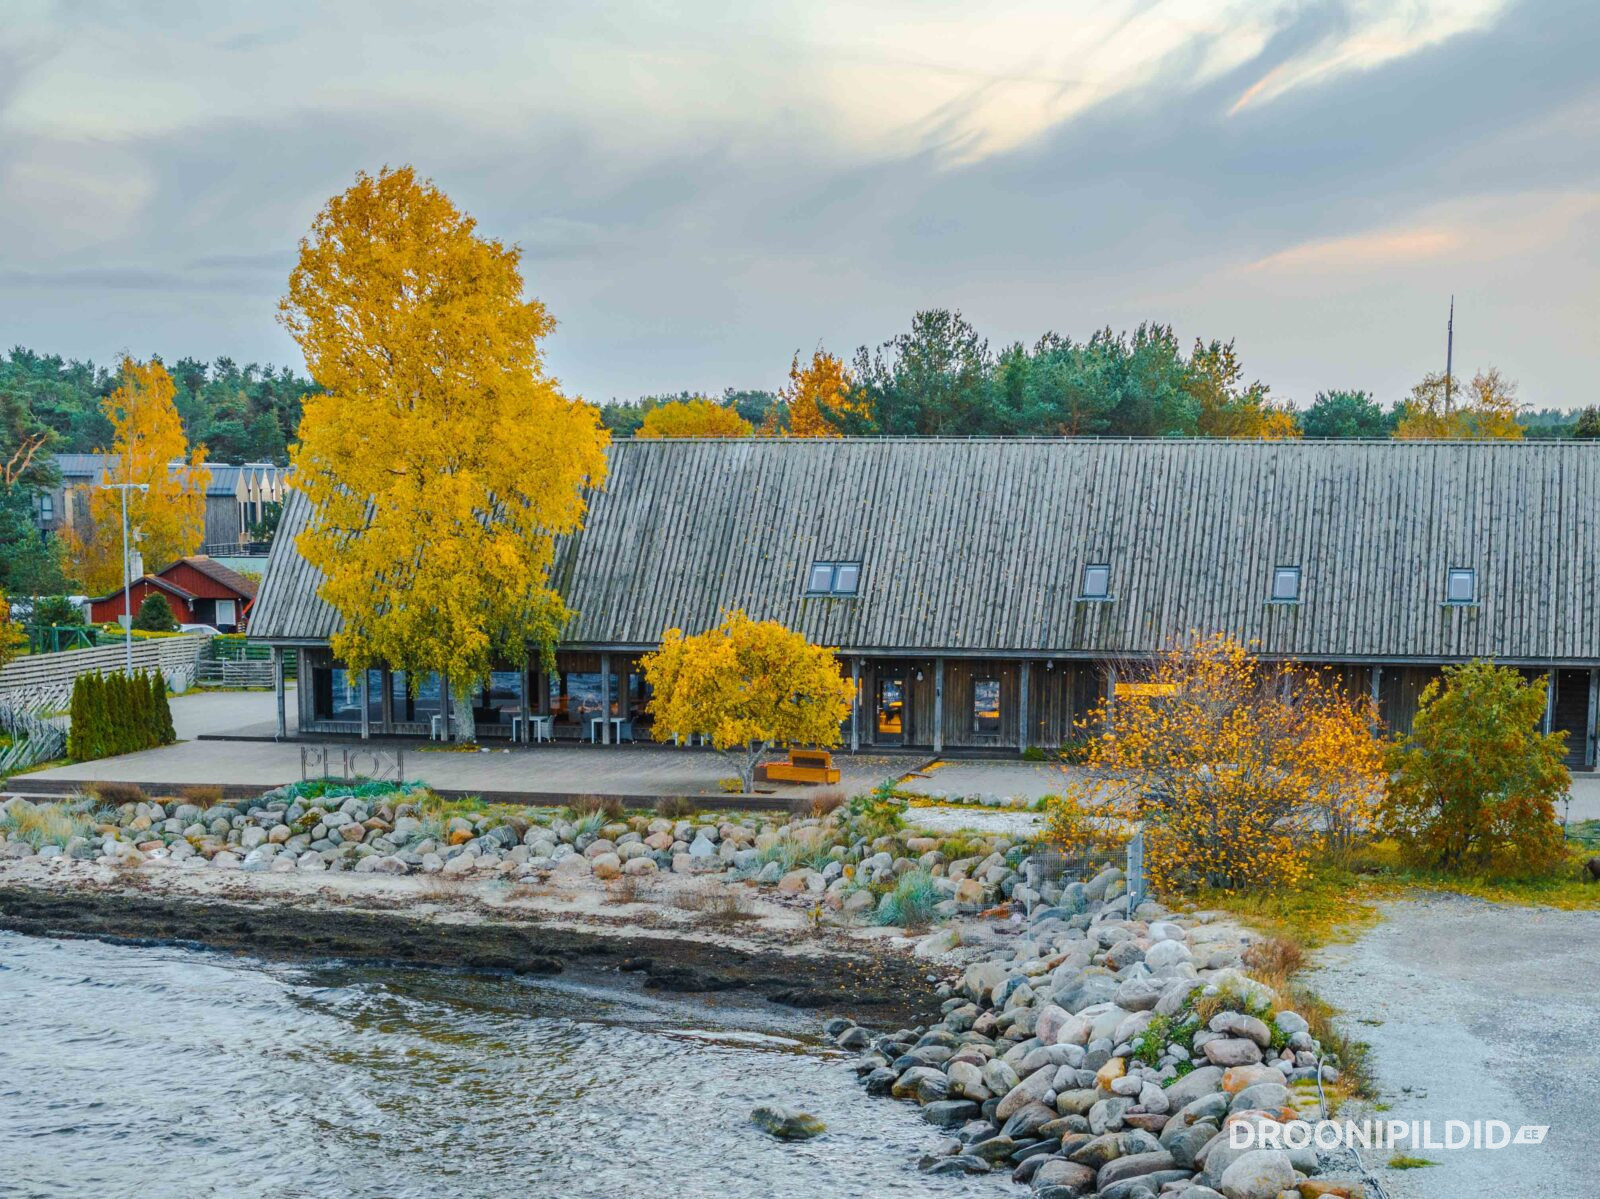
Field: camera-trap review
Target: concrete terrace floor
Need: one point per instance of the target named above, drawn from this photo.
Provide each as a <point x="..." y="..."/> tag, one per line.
<point x="564" y="768"/>
<point x="560" y="768"/>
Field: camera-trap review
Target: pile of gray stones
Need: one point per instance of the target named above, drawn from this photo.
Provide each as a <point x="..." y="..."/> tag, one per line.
<point x="826" y="861"/>
<point x="1070" y="1053"/>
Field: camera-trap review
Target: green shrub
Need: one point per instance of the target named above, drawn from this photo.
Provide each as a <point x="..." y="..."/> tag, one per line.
<point x="1473" y="787"/>
<point x="56" y="610"/>
<point x="155" y="615"/>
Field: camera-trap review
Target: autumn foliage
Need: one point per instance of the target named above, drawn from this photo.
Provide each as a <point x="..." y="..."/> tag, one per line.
<point x="440" y="460"/>
<point x="819" y="393"/>
<point x="169" y="516"/>
<point x="1476" y="782"/>
<point x="1238" y="769"/>
<point x="748" y="685"/>
<point x="693" y="418"/>
<point x="1486" y="409"/>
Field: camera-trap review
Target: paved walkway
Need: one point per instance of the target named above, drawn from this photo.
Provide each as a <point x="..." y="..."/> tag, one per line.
<point x="1480" y="1011"/>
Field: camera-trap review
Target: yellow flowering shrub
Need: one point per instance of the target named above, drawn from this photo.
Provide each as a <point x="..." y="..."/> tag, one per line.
<point x="1238" y="769"/>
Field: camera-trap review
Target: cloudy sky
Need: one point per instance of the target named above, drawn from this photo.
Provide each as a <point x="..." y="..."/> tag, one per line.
<point x="703" y="188"/>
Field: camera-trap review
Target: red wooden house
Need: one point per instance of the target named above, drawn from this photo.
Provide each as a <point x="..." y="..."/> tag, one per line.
<point x="198" y="590"/>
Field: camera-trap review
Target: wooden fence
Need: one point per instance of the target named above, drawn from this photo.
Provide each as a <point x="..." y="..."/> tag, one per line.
<point x="47" y="679"/>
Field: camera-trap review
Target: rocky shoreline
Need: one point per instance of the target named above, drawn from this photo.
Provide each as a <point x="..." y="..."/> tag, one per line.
<point x="794" y="909"/>
<point x="1093" y="1052"/>
<point x="1083" y="1049"/>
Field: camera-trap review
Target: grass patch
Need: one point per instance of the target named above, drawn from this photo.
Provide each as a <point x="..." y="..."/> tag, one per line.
<point x="1333" y="904"/>
<point x="1406" y="1162"/>
<point x="1566" y="888"/>
<point x="717" y="905"/>
<point x="676" y="807"/>
<point x="910" y="902"/>
<point x="116" y="793"/>
<point x="44" y="824"/>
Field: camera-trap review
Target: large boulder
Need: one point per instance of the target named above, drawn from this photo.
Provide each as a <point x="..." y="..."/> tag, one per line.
<point x="1258" y="1174"/>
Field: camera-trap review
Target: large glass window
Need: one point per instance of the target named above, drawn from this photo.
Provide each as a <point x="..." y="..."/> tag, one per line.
<point x="420" y="708"/>
<point x="986" y="706"/>
<point x="502" y="698"/>
<point x="338" y="694"/>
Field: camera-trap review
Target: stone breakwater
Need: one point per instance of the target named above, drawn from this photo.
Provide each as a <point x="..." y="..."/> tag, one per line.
<point x="837" y="863"/>
<point x="1091" y="1052"/>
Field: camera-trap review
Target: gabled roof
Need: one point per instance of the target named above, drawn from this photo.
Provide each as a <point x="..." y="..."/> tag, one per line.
<point x="222" y="575"/>
<point x="978" y="546"/>
<point x="156" y="581"/>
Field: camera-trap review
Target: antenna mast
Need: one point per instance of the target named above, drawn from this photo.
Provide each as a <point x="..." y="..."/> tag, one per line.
<point x="1449" y="351"/>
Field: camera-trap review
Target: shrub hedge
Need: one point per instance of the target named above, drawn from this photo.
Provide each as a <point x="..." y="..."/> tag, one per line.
<point x="118" y="713"/>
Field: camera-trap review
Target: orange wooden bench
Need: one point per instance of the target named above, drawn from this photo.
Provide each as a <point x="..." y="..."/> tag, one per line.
<point x="803" y="766"/>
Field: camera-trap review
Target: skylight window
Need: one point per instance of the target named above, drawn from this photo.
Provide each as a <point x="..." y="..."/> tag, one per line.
<point x="1461" y="586"/>
<point x="1096" y="583"/>
<point x="834" y="578"/>
<point x="1286" y="585"/>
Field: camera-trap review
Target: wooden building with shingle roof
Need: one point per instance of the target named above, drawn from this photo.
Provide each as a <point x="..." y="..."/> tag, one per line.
<point x="986" y="592"/>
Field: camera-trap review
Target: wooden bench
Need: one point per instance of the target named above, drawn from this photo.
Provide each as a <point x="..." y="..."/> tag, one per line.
<point x="803" y="766"/>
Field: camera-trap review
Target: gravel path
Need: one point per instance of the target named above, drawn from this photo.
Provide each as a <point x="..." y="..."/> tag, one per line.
<point x="1485" y="1011"/>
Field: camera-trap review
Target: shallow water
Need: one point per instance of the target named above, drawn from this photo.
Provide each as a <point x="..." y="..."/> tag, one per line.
<point x="158" y="1072"/>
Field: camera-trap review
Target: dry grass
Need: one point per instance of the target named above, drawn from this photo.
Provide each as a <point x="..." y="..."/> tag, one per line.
<point x="116" y="794"/>
<point x="626" y="888"/>
<point x="43" y="824"/>
<point x="1275" y="962"/>
<point x="608" y="806"/>
<point x="816" y="806"/>
<point x="715" y="904"/>
<point x="444" y="886"/>
<point x="203" y="796"/>
<point x="676" y="807"/>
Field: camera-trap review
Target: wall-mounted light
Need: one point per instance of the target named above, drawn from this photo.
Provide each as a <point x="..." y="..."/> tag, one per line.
<point x="919" y="676"/>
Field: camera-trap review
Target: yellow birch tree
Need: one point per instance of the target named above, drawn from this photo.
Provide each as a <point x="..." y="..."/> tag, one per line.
<point x="148" y="447"/>
<point x="1440" y="409"/>
<point x="440" y="460"/>
<point x="748" y="685"/>
<point x="693" y="418"/>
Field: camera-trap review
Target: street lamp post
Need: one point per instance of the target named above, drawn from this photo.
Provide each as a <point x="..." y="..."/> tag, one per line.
<point x="127" y="568"/>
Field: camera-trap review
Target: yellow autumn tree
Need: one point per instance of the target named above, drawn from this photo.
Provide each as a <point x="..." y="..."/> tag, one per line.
<point x="693" y="418"/>
<point x="1439" y="408"/>
<point x="11" y="637"/>
<point x="167" y="519"/>
<point x="1238" y="769"/>
<point x="440" y="460"/>
<point x="1226" y="407"/>
<point x="818" y="394"/>
<point x="750" y="686"/>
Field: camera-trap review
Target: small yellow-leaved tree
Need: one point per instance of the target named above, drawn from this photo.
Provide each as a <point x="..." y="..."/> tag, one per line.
<point x="693" y="418"/>
<point x="748" y="685"/>
<point x="818" y="394"/>
<point x="148" y="447"/>
<point x="440" y="460"/>
<point x="1484" y="409"/>
<point x="1239" y="769"/>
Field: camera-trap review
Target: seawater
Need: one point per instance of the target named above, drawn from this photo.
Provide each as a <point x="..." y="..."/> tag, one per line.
<point x="158" y="1072"/>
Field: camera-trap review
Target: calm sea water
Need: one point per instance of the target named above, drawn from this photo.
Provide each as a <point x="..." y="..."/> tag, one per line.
<point x="157" y="1072"/>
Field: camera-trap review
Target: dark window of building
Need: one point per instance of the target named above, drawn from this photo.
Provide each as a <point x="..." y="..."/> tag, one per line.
<point x="1096" y="583"/>
<point x="47" y="508"/>
<point x="420" y="708"/>
<point x="986" y="706"/>
<point x="834" y="578"/>
<point x="1461" y="587"/>
<point x="1286" y="585"/>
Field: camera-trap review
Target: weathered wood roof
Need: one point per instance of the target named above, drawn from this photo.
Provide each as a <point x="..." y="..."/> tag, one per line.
<point x="978" y="546"/>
